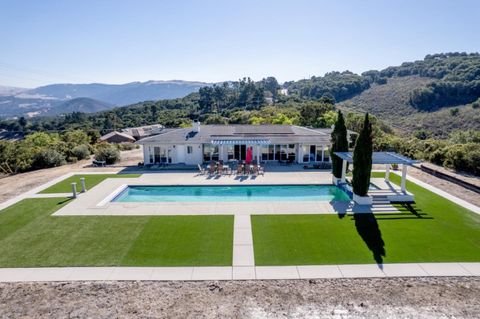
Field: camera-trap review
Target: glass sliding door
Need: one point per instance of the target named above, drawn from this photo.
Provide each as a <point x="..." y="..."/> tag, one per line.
<point x="291" y="153"/>
<point x="156" y="154"/>
<point x="319" y="153"/>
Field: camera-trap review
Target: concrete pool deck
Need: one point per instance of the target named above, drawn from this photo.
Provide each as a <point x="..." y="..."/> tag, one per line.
<point x="97" y="201"/>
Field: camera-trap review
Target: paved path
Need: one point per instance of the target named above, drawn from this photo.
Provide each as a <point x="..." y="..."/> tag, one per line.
<point x="238" y="272"/>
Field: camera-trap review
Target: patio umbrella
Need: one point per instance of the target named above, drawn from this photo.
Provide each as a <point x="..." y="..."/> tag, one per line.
<point x="248" y="158"/>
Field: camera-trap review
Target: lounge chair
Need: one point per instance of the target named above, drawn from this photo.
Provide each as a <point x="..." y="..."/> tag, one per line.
<point x="239" y="169"/>
<point x="211" y="170"/>
<point x="261" y="170"/>
<point x="96" y="163"/>
<point x="201" y="169"/>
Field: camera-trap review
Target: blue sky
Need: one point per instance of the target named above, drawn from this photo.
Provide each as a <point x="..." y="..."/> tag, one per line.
<point x="123" y="41"/>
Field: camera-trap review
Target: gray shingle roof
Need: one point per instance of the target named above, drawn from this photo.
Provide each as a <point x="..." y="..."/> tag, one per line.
<point x="277" y="134"/>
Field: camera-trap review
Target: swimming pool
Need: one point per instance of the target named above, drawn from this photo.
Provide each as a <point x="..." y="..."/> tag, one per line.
<point x="250" y="193"/>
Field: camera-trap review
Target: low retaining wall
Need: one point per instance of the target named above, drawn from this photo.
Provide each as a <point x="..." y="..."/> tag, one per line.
<point x="449" y="178"/>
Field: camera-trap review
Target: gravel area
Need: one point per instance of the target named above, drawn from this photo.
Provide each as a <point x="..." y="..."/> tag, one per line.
<point x="451" y="188"/>
<point x="433" y="297"/>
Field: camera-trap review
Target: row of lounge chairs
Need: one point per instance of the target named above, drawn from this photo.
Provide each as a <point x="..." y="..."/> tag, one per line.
<point x="219" y="168"/>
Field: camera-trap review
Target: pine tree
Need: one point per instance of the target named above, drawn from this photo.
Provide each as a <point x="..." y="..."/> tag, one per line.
<point x="339" y="144"/>
<point x="362" y="160"/>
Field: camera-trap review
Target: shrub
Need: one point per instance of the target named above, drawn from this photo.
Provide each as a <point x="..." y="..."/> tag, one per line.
<point x="454" y="111"/>
<point x="110" y="154"/>
<point x="81" y="151"/>
<point x="339" y="144"/>
<point x="126" y="146"/>
<point x="48" y="158"/>
<point x="72" y="159"/>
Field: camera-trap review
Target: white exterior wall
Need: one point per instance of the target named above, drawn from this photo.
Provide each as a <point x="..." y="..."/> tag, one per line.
<point x="196" y="157"/>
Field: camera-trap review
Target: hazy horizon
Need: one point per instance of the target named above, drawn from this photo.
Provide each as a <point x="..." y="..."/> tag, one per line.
<point x="48" y="42"/>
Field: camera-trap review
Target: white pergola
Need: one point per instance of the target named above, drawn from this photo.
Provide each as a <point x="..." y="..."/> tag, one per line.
<point x="387" y="158"/>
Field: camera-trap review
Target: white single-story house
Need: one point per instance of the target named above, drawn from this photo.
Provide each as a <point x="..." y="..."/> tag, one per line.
<point x="204" y="143"/>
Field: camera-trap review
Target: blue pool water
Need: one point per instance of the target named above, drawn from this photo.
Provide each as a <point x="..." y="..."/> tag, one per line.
<point x="231" y="193"/>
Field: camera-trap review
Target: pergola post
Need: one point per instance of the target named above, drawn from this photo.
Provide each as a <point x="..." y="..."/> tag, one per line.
<point x="387" y="173"/>
<point x="258" y="154"/>
<point x="404" y="178"/>
<point x="344" y="171"/>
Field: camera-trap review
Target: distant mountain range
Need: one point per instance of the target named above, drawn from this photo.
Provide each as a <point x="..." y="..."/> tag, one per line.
<point x="63" y="98"/>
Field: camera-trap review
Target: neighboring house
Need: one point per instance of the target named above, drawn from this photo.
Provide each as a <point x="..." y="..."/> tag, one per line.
<point x="199" y="144"/>
<point x="144" y="131"/>
<point x="117" y="137"/>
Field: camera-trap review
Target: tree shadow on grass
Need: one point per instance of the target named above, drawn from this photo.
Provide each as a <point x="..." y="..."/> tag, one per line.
<point x="367" y="227"/>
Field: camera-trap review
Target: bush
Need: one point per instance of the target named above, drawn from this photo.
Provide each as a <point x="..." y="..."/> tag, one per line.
<point x="454" y="111"/>
<point x="72" y="159"/>
<point x="81" y="151"/>
<point x="48" y="158"/>
<point x="465" y="157"/>
<point x="127" y="146"/>
<point x="110" y="154"/>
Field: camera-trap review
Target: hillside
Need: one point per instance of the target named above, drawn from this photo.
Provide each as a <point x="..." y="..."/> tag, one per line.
<point x="121" y="94"/>
<point x="81" y="104"/>
<point x="15" y="102"/>
<point x="391" y="103"/>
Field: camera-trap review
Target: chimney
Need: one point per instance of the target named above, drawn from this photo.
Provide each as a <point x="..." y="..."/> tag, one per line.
<point x="196" y="126"/>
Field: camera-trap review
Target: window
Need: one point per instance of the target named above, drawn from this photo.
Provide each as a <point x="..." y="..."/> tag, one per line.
<point x="150" y="153"/>
<point x="319" y="153"/>
<point x="306" y="153"/>
<point x="230" y="152"/>
<point x="189" y="149"/>
<point x="291" y="153"/>
<point x="210" y="152"/>
<point x="326" y="155"/>
<point x="264" y="153"/>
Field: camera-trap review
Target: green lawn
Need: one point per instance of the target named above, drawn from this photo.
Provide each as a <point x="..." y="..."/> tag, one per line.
<point x="436" y="231"/>
<point x="90" y="181"/>
<point x="31" y="237"/>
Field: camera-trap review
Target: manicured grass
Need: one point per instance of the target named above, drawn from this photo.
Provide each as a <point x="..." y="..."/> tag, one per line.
<point x="432" y="230"/>
<point x="91" y="180"/>
<point x="31" y="237"/>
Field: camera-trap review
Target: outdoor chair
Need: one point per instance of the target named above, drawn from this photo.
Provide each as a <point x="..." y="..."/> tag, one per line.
<point x="96" y="163"/>
<point x="211" y="170"/>
<point x="240" y="169"/>
<point x="261" y="170"/>
<point x="201" y="169"/>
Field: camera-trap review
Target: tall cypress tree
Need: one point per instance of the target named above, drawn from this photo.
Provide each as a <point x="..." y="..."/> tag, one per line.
<point x="362" y="159"/>
<point x="339" y="144"/>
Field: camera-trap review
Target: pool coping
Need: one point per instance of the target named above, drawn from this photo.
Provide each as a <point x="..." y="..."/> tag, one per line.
<point x="110" y="199"/>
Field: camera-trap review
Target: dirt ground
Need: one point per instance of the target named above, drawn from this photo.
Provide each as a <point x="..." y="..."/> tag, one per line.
<point x="27" y="181"/>
<point x="338" y="298"/>
<point x="454" y="189"/>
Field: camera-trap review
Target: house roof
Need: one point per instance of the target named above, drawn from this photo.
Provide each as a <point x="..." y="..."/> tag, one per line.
<point x="275" y="134"/>
<point x="380" y="158"/>
<point x="115" y="133"/>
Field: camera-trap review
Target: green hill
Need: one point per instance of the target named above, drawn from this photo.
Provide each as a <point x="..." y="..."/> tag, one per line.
<point x="390" y="102"/>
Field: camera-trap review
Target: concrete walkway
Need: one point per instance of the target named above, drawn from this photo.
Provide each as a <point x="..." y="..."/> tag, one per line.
<point x="238" y="272"/>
